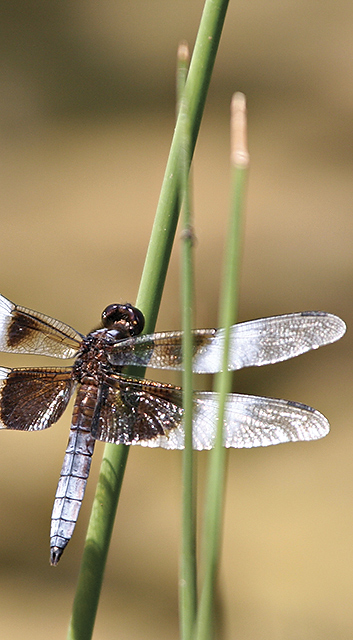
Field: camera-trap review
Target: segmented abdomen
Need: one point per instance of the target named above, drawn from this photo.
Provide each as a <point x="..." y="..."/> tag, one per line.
<point x="74" y="472"/>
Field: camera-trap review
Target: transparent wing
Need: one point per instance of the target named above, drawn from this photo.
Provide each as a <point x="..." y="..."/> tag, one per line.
<point x="151" y="414"/>
<point x="254" y="421"/>
<point x="33" y="399"/>
<point x="25" y="331"/>
<point x="253" y="343"/>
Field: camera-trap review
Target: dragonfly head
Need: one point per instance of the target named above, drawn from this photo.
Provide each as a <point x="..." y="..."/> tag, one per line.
<point x="123" y="318"/>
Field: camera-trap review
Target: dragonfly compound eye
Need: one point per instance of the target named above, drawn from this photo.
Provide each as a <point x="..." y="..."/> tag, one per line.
<point x="123" y="314"/>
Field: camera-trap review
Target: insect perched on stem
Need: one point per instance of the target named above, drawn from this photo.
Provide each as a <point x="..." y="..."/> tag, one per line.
<point x="116" y="408"/>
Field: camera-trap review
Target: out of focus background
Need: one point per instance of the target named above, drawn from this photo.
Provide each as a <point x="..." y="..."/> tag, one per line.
<point x="86" y="119"/>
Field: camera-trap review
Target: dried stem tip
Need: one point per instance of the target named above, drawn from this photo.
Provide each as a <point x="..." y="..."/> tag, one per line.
<point x="239" y="154"/>
<point x="183" y="52"/>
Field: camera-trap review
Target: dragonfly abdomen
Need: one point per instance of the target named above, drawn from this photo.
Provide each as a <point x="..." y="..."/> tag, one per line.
<point x="74" y="473"/>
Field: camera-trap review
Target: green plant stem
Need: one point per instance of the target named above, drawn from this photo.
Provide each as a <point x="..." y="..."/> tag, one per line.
<point x="188" y="587"/>
<point x="164" y="226"/>
<point x="148" y="300"/>
<point x="216" y="473"/>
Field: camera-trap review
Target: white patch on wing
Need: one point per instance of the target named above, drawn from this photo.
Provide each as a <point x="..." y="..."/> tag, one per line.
<point x="269" y="340"/>
<point x="250" y="421"/>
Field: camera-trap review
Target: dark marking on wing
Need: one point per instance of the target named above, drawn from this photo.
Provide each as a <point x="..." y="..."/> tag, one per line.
<point x="129" y="410"/>
<point x="33" y="399"/>
<point x="20" y="328"/>
<point x="23" y="330"/>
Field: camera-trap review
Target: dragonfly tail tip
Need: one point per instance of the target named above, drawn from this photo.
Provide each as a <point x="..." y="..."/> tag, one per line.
<point x="55" y="555"/>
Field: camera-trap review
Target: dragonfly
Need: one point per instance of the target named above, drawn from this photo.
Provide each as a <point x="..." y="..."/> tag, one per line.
<point x="114" y="407"/>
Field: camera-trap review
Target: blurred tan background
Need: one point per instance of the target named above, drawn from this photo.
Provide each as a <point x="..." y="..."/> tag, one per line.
<point x="86" y="119"/>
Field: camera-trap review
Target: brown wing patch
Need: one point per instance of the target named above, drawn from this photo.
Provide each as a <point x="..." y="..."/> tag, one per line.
<point x="33" y="399"/>
<point x="20" y="329"/>
<point x="25" y="331"/>
<point x="130" y="411"/>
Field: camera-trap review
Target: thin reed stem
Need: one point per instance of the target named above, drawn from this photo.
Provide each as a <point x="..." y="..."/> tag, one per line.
<point x="228" y="308"/>
<point x="187" y="588"/>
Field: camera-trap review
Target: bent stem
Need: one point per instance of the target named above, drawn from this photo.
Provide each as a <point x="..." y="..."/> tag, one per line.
<point x="148" y="300"/>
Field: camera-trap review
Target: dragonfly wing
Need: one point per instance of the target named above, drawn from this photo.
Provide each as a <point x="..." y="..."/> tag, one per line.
<point x="150" y="414"/>
<point x="254" y="421"/>
<point x="253" y="343"/>
<point x="33" y="399"/>
<point x="25" y="331"/>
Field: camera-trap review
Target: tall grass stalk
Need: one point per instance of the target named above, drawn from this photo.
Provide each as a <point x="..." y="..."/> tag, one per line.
<point x="228" y="310"/>
<point x="187" y="588"/>
<point x="148" y="300"/>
